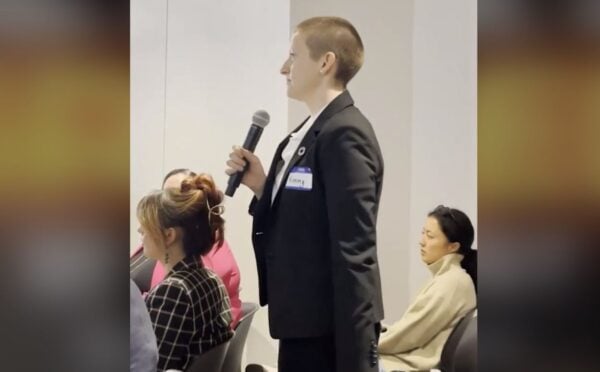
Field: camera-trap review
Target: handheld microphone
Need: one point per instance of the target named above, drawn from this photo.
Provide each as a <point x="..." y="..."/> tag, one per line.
<point x="260" y="119"/>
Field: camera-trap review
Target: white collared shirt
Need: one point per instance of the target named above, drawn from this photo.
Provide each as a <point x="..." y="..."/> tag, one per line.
<point x="290" y="149"/>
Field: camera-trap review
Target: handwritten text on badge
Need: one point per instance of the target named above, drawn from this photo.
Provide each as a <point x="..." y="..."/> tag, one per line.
<point x="300" y="178"/>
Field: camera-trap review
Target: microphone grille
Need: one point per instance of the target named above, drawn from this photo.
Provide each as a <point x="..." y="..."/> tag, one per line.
<point x="261" y="118"/>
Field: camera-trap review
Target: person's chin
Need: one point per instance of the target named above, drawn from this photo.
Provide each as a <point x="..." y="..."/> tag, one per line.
<point x="290" y="93"/>
<point x="295" y="97"/>
<point x="147" y="253"/>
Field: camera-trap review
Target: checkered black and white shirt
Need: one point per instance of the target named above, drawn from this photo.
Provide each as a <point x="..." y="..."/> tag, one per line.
<point x="190" y="313"/>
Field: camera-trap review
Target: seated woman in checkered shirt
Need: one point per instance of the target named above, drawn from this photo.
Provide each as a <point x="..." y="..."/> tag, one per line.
<point x="189" y="309"/>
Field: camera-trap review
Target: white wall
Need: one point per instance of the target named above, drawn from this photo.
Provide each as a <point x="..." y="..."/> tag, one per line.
<point x="147" y="92"/>
<point x="214" y="64"/>
<point x="444" y="128"/>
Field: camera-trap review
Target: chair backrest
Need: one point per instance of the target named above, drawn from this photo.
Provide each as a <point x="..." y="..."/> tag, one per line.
<point x="233" y="359"/>
<point x="141" y="272"/>
<point x="465" y="357"/>
<point x="460" y="350"/>
<point x="255" y="368"/>
<point x="210" y="361"/>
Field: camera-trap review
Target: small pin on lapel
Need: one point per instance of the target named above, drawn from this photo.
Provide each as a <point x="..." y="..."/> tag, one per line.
<point x="301" y="151"/>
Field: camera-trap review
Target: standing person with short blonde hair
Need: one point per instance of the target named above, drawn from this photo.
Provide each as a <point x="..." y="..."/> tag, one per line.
<point x="315" y="212"/>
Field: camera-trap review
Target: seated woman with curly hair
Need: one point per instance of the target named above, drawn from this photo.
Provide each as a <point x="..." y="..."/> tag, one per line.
<point x="189" y="309"/>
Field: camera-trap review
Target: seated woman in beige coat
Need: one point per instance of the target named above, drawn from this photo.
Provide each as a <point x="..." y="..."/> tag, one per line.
<point x="415" y="342"/>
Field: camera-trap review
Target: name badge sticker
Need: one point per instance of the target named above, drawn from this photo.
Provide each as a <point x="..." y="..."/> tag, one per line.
<point x="300" y="178"/>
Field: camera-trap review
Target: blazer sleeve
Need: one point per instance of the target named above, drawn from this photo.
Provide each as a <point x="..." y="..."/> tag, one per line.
<point x="171" y="316"/>
<point x="349" y="166"/>
<point x="252" y="206"/>
<point x="432" y="311"/>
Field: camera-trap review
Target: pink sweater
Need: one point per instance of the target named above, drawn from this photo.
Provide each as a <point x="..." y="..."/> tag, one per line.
<point x="221" y="262"/>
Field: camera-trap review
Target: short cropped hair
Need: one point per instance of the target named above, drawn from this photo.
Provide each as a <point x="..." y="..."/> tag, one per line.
<point x="336" y="35"/>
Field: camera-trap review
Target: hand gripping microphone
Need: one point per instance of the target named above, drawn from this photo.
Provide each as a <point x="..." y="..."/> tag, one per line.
<point x="260" y="119"/>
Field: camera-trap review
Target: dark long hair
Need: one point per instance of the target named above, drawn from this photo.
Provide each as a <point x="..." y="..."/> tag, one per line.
<point x="457" y="228"/>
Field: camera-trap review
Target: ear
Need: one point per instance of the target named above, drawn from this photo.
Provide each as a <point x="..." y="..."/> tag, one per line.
<point x="328" y="61"/>
<point x="170" y="236"/>
<point x="453" y="247"/>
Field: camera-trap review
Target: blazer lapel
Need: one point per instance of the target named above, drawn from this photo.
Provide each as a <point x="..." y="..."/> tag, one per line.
<point x="267" y="192"/>
<point x="338" y="104"/>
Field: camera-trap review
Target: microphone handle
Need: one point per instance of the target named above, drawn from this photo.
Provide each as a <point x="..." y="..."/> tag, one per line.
<point x="252" y="137"/>
<point x="249" y="144"/>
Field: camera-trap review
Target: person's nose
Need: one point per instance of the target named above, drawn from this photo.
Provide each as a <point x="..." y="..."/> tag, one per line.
<point x="285" y="68"/>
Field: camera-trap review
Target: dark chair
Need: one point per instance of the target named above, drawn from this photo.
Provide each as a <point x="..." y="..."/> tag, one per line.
<point x="233" y="359"/>
<point x="210" y="361"/>
<point x="140" y="270"/>
<point x="460" y="350"/>
<point x="255" y="368"/>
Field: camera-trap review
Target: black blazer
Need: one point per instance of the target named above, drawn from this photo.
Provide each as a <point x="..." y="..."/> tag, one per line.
<point x="316" y="250"/>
